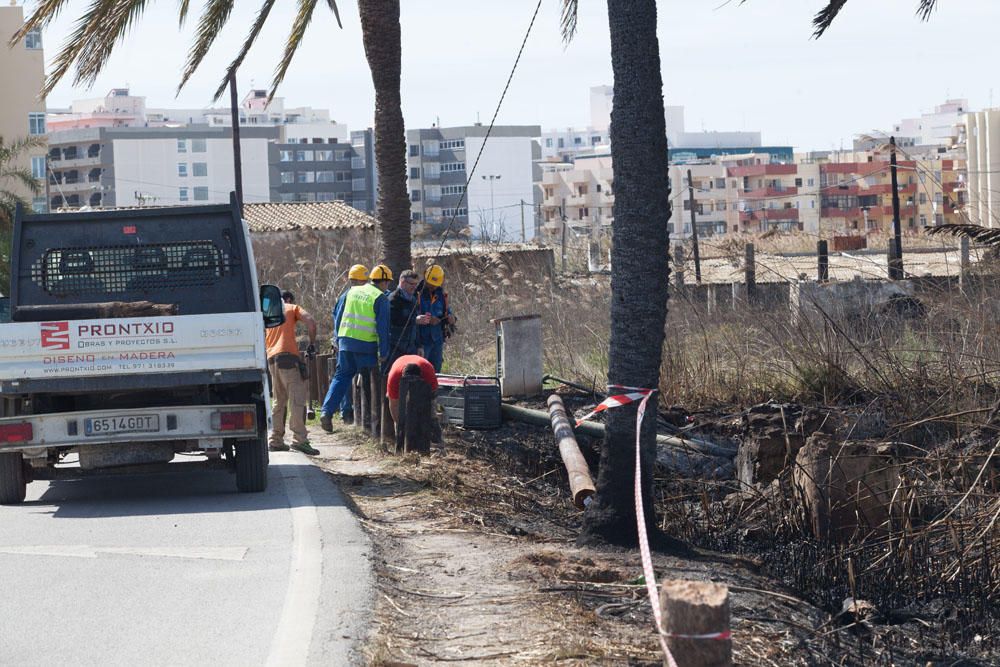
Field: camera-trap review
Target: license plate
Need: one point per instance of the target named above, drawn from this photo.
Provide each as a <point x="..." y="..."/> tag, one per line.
<point x="124" y="424"/>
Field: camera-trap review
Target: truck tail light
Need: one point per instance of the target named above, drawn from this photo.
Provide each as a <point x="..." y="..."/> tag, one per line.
<point x="233" y="420"/>
<point x="17" y="432"/>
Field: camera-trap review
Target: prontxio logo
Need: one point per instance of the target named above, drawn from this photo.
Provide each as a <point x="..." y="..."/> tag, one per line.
<point x="55" y="335"/>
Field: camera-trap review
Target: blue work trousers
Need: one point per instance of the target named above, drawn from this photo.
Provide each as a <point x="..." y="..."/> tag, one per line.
<point x="434" y="353"/>
<point x="339" y="393"/>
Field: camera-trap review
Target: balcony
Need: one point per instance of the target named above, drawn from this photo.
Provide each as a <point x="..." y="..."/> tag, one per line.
<point x="770" y="214"/>
<point x="770" y="192"/>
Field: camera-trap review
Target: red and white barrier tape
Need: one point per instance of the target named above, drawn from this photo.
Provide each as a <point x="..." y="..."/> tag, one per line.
<point x="642" y="395"/>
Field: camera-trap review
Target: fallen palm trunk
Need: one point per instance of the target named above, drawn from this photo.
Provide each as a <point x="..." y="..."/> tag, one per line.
<point x="596" y="430"/>
<point x="580" y="483"/>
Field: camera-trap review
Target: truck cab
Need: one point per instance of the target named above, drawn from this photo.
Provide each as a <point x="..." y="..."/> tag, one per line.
<point x="135" y="335"/>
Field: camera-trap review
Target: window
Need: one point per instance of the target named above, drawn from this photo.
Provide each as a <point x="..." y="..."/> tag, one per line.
<point x="577" y="141"/>
<point x="687" y="204"/>
<point x="548" y="143"/>
<point x="359" y="184"/>
<point x="457" y="212"/>
<point x="453" y="144"/>
<point x="452" y="189"/>
<point x="305" y="177"/>
<point x="198" y="146"/>
<point x="415" y="195"/>
<point x="798" y="182"/>
<point x="923" y="220"/>
<point x="432" y="170"/>
<point x="923" y="198"/>
<point x="357" y="163"/>
<point x="33" y="39"/>
<point x="414" y="150"/>
<point x="182" y="146"/>
<point x="581" y="190"/>
<point x="38" y="167"/>
<point x="287" y="156"/>
<point x="182" y="194"/>
<point x="584" y="212"/>
<point x="325" y="177"/>
<point x="36" y="123"/>
<point x="594" y="140"/>
<point x="340" y="155"/>
<point x="415" y="216"/>
<point x="720" y="183"/>
<point x="562" y="144"/>
<point x="182" y="169"/>
<point x="452" y="167"/>
<point x="287" y="196"/>
<point x="39" y="205"/>
<point x="317" y="140"/>
<point x="343" y="176"/>
<point x="720" y="206"/>
<point x="305" y="196"/>
<point x="303" y="156"/>
<point x="432" y="192"/>
<point x="201" y="194"/>
<point x="325" y="196"/>
<point x="598" y="186"/>
<point x="324" y="156"/>
<point x="811" y="182"/>
<point x="288" y="177"/>
<point x="199" y="169"/>
<point x="414" y="172"/>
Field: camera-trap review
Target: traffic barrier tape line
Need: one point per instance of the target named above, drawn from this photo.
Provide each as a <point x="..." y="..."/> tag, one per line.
<point x="642" y="395"/>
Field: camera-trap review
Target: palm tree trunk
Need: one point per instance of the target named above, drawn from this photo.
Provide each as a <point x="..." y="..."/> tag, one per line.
<point x="380" y="31"/>
<point x="639" y="269"/>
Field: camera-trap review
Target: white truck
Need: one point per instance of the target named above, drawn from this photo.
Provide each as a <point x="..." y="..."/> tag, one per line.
<point x="135" y="335"/>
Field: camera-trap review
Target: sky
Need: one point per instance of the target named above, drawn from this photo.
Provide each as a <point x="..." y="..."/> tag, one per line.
<point x="733" y="66"/>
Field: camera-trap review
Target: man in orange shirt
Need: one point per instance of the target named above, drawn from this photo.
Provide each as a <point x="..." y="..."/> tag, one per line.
<point x="408" y="364"/>
<point x="288" y="377"/>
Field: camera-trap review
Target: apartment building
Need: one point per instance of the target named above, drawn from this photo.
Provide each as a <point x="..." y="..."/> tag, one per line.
<point x="983" y="150"/>
<point x="305" y="169"/>
<point x="22" y="113"/>
<point x="129" y="166"/>
<point x="501" y="193"/>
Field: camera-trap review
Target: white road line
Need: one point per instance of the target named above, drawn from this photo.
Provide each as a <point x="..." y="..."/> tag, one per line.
<point x="290" y="644"/>
<point x="84" y="551"/>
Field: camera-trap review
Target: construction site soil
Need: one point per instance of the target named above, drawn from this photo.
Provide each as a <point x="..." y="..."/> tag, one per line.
<point x="476" y="563"/>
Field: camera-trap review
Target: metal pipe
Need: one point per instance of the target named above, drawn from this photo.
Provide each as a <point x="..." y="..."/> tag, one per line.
<point x="580" y="483"/>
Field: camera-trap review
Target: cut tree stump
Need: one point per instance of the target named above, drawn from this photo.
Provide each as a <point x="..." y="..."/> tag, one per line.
<point x="692" y="608"/>
<point x="414" y="430"/>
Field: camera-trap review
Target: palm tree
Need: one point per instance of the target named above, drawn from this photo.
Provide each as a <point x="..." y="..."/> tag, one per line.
<point x="12" y="175"/>
<point x="105" y="23"/>
<point x="639" y="268"/>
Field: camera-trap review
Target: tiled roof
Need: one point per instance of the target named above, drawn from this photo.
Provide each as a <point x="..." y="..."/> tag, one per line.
<point x="290" y="216"/>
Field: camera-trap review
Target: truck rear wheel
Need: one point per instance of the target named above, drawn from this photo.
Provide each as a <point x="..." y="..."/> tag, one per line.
<point x="251" y="465"/>
<point x="13" y="484"/>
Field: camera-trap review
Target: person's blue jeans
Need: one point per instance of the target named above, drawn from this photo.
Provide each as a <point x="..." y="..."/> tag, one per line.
<point x="339" y="393"/>
<point x="434" y="353"/>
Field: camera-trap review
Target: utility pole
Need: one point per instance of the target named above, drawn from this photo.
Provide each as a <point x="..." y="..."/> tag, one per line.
<point x="493" y="210"/>
<point x="524" y="238"/>
<point x="562" y="216"/>
<point x="237" y="161"/>
<point x="896" y="262"/>
<point x="694" y="231"/>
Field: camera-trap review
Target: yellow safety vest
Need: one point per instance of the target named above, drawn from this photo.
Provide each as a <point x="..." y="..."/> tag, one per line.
<point x="358" y="319"/>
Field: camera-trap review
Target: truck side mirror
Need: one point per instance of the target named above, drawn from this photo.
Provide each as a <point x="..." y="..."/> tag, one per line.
<point x="272" y="306"/>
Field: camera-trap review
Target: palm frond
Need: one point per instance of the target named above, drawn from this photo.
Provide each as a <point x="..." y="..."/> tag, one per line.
<point x="302" y="19"/>
<point x="986" y="235"/>
<point x="182" y="12"/>
<point x="104" y="36"/>
<point x="45" y="12"/>
<point x="332" y="4"/>
<point x="23" y="176"/>
<point x="926" y="8"/>
<point x="213" y="19"/>
<point x="251" y="39"/>
<point x="567" y="20"/>
<point x="824" y="18"/>
<point x="74" y="44"/>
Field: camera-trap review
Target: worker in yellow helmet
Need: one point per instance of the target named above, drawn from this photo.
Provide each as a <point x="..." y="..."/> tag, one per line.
<point x="361" y="327"/>
<point x="437" y="322"/>
<point x="381" y="277"/>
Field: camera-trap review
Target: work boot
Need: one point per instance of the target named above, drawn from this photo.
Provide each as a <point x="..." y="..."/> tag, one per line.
<point x="278" y="447"/>
<point x="306" y="448"/>
<point x="326" y="423"/>
<point x="347" y="416"/>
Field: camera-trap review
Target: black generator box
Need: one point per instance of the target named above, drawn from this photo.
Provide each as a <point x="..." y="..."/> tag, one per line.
<point x="470" y="401"/>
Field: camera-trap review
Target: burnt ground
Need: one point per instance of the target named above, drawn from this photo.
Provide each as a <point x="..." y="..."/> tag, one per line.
<point x="476" y="564"/>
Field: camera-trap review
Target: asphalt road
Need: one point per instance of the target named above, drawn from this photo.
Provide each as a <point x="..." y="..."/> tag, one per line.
<point x="177" y="569"/>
